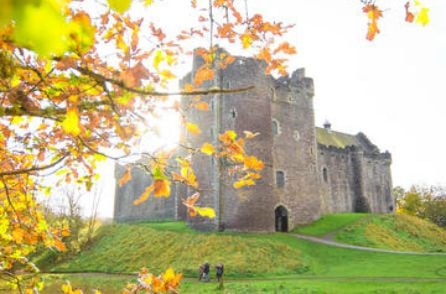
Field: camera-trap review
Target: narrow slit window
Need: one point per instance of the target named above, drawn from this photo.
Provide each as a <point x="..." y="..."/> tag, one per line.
<point x="280" y="179"/>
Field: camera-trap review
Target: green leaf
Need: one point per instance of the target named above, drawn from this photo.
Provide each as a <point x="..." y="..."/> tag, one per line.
<point x="158" y="174"/>
<point x="120" y="6"/>
<point x="42" y="28"/>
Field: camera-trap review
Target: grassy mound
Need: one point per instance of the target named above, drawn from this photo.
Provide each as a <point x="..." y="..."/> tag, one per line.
<point x="396" y="232"/>
<point x="330" y="223"/>
<point x="128" y="247"/>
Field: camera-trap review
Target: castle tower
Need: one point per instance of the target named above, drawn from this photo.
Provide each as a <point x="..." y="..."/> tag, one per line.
<point x="287" y="146"/>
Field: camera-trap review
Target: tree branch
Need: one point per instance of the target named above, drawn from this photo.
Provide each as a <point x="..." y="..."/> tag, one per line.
<point x="32" y="169"/>
<point x="101" y="78"/>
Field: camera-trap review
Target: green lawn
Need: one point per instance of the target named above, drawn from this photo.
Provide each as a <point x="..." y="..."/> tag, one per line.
<point x="255" y="263"/>
<point x="329" y="223"/>
<point x="115" y="284"/>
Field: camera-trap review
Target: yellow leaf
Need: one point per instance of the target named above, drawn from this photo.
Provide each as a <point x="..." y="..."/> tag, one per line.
<point x="246" y="40"/>
<point x="159" y="57"/>
<point x="423" y="16"/>
<point x="205" y="212"/>
<point x="167" y="75"/>
<point x="193" y="128"/>
<point x="147" y="2"/>
<point x="17" y="120"/>
<point x="120" y="5"/>
<point x="241" y="183"/>
<point x="71" y="123"/>
<point x="144" y="195"/>
<point x="207" y="149"/>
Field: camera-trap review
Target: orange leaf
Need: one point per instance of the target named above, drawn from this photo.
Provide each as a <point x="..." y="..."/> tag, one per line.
<point x="143" y="197"/>
<point x="409" y="15"/>
<point x="251" y="162"/>
<point x="204" y="73"/>
<point x="286" y="48"/>
<point x="126" y="177"/>
<point x="161" y="188"/>
<point x="373" y="13"/>
<point x="202" y="106"/>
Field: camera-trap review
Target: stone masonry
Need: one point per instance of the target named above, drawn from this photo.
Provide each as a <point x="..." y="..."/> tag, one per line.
<point x="308" y="171"/>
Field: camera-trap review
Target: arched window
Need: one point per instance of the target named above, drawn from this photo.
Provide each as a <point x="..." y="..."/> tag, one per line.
<point x="280" y="179"/>
<point x="325" y="174"/>
<point x="276" y="127"/>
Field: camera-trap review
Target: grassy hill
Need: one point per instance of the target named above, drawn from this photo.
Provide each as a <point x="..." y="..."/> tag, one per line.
<point x="330" y="223"/>
<point x="255" y="263"/>
<point x="396" y="232"/>
<point x="125" y="248"/>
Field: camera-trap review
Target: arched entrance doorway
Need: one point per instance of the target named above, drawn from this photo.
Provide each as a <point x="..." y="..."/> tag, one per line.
<point x="281" y="219"/>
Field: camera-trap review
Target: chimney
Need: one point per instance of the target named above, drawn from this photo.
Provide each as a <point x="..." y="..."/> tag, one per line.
<point x="327" y="125"/>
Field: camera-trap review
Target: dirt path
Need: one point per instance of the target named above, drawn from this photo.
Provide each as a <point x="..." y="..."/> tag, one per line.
<point x="326" y="240"/>
<point x="276" y="278"/>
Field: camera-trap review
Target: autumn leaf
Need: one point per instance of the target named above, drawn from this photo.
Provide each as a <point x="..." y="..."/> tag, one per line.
<point x="120" y="5"/>
<point x="373" y="13"/>
<point x="193" y="128"/>
<point x="205" y="211"/>
<point x="250" y="135"/>
<point x="251" y="162"/>
<point x="243" y="182"/>
<point x="202" y="106"/>
<point x="203" y="74"/>
<point x="126" y="177"/>
<point x="207" y="149"/>
<point x="409" y="15"/>
<point x="246" y="40"/>
<point x="423" y="16"/>
<point x="71" y="124"/>
<point x="144" y="196"/>
<point x="286" y="48"/>
<point x="161" y="188"/>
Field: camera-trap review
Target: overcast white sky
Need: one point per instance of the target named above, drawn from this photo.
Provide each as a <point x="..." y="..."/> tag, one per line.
<point x="392" y="89"/>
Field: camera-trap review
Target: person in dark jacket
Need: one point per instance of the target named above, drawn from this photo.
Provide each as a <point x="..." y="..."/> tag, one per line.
<point x="219" y="269"/>
<point x="206" y="269"/>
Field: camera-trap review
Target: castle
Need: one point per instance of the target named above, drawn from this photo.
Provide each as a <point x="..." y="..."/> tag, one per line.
<point x="309" y="171"/>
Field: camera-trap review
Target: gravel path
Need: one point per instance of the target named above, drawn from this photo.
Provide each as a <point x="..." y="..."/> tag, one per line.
<point x="348" y="246"/>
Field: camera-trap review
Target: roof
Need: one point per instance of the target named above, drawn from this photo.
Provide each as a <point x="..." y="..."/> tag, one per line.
<point x="335" y="139"/>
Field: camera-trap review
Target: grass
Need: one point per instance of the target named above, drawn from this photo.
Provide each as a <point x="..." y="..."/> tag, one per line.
<point x="254" y="263"/>
<point x="396" y="232"/>
<point x="125" y="248"/>
<point x="329" y="223"/>
<point x="115" y="284"/>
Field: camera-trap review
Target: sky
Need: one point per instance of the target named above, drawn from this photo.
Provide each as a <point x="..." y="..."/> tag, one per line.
<point x="391" y="89"/>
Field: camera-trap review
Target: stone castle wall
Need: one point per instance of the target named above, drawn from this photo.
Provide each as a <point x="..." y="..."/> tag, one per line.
<point x="318" y="179"/>
<point x="352" y="177"/>
<point x="153" y="209"/>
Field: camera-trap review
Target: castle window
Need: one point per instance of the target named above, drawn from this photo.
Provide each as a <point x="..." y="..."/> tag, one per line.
<point x="273" y="94"/>
<point x="280" y="179"/>
<point x="276" y="127"/>
<point x="233" y="113"/>
<point x="325" y="174"/>
<point x="296" y="135"/>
